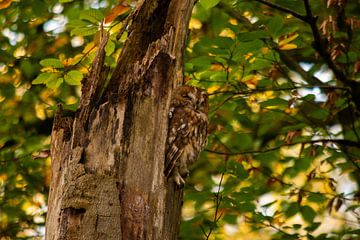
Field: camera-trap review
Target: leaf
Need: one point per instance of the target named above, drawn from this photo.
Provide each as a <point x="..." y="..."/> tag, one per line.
<point x="52" y="62"/>
<point x="308" y="214"/>
<point x="207" y="4"/>
<point x="202" y="62"/>
<point x="77" y="23"/>
<point x="109" y="48"/>
<point x="92" y="15"/>
<point x="319" y="113"/>
<point x="43" y="78"/>
<point x="292" y="209"/>
<point x="116" y="11"/>
<point x="275" y="25"/>
<point x="84" y="31"/>
<point x="54" y="83"/>
<point x="7" y="90"/>
<point x="66" y="1"/>
<point x="73" y="77"/>
<point x="288" y="39"/>
<point x="251" y="36"/>
<point x="288" y="46"/>
<point x="313" y="226"/>
<point x="237" y="169"/>
<point x="274" y="103"/>
<point x="316" y="197"/>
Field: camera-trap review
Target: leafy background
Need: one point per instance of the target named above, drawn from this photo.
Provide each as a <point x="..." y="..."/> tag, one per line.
<point x="283" y="80"/>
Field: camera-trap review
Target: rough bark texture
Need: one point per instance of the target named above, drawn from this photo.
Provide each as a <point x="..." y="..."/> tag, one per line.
<point x="108" y="160"/>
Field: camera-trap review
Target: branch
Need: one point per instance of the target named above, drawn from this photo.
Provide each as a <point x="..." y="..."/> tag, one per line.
<point x="253" y="91"/>
<point x="287" y="59"/>
<point x="343" y="142"/>
<point x="319" y="47"/>
<point x="294" y="65"/>
<point x="237" y="15"/>
<point x="284" y="9"/>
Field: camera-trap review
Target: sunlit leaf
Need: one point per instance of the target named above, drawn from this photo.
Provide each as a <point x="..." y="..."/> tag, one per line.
<point x="109" y="48"/>
<point x="92" y="15"/>
<point x="73" y="77"/>
<point x="44" y="78"/>
<point x="52" y="62"/>
<point x="84" y="31"/>
<point x="54" y="83"/>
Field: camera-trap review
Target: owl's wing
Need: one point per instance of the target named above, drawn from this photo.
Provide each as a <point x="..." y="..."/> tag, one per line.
<point x="177" y="138"/>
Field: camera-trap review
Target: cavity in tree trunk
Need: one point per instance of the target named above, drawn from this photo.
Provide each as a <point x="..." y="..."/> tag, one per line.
<point x="108" y="160"/>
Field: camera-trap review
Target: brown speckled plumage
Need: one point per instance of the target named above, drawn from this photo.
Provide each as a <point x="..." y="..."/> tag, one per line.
<point x="187" y="132"/>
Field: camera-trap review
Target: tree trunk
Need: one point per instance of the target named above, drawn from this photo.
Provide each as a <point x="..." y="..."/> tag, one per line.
<point x="108" y="160"/>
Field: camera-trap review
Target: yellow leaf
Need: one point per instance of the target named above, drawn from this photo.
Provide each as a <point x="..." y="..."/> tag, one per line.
<point x="216" y="67"/>
<point x="288" y="39"/>
<point x="227" y="33"/>
<point x="195" y="24"/>
<point x="251" y="81"/>
<point x="233" y="21"/>
<point x="288" y="46"/>
<point x="212" y="89"/>
<point x="90" y="47"/>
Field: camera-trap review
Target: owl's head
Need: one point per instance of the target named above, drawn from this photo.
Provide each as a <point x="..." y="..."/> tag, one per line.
<point x="195" y="97"/>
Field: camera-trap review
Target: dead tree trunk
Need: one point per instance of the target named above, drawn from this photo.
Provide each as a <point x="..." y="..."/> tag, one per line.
<point x="108" y="160"/>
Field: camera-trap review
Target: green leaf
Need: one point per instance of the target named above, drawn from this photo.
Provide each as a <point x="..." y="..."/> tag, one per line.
<point x="109" y="48"/>
<point x="51" y="62"/>
<point x="202" y="62"/>
<point x="313" y="226"/>
<point x="275" y="25"/>
<point x="54" y="83"/>
<point x="207" y="4"/>
<point x="65" y="1"/>
<point x="318" y="198"/>
<point x="319" y="113"/>
<point x="7" y="90"/>
<point x="292" y="209"/>
<point x="308" y="214"/>
<point x="73" y="77"/>
<point x="250" y="46"/>
<point x="238" y="170"/>
<point x="84" y="31"/>
<point x="92" y="15"/>
<point x="275" y="102"/>
<point x="251" y="36"/>
<point x="43" y="78"/>
<point x="77" y="23"/>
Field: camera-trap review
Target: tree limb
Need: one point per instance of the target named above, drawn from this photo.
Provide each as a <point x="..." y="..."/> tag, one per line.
<point x="284" y="9"/>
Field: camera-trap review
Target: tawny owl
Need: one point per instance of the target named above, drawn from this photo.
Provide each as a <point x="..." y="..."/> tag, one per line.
<point x="187" y="132"/>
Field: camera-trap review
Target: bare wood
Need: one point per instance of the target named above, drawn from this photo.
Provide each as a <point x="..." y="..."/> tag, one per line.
<point x="108" y="160"/>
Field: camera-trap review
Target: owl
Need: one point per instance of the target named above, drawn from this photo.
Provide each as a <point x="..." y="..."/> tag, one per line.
<point x="187" y="131"/>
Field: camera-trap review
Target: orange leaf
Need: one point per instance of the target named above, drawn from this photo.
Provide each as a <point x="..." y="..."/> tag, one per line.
<point x="5" y="3"/>
<point x="116" y="11"/>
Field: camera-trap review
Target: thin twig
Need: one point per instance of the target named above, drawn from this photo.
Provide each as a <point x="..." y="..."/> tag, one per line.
<point x="284" y="9"/>
<point x="338" y="141"/>
<point x="253" y="91"/>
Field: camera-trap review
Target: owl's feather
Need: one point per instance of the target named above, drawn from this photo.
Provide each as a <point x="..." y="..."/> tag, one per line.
<point x="187" y="132"/>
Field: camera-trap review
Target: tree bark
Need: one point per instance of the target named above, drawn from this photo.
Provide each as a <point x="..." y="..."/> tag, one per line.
<point x="108" y="159"/>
